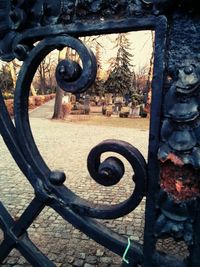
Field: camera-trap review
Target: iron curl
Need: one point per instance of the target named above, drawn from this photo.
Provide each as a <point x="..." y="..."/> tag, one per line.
<point x="79" y="79"/>
<point x="110" y="171"/>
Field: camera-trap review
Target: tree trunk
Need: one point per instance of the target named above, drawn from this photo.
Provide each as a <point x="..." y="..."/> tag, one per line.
<point x="150" y="74"/>
<point x="33" y="92"/>
<point x="13" y="73"/>
<point x="58" y="112"/>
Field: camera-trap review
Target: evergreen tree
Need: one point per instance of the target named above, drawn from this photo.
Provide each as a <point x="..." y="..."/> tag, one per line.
<point x="120" y="80"/>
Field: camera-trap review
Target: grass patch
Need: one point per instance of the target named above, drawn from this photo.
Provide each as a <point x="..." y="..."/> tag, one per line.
<point x="137" y="123"/>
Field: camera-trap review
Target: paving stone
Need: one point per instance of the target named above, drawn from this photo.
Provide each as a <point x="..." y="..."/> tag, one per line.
<point x="105" y="260"/>
<point x="91" y="259"/>
<point x="12" y="261"/>
<point x="70" y="259"/>
<point x="88" y="265"/>
<point x="66" y="146"/>
<point x="82" y="256"/>
<point x="99" y="253"/>
<point x="78" y="263"/>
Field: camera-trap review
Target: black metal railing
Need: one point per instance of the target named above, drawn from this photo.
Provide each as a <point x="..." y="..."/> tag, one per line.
<point x="29" y="31"/>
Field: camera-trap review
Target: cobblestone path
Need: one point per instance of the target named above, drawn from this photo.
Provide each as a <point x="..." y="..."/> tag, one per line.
<point x="65" y="146"/>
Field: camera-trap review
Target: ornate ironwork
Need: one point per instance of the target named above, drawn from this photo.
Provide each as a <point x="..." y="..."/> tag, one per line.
<point x="170" y="179"/>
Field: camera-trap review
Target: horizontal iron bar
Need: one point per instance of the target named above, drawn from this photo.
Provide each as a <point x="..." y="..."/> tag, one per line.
<point x="86" y="28"/>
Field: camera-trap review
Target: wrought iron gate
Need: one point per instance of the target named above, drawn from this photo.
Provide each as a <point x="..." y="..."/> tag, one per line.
<point x="29" y="30"/>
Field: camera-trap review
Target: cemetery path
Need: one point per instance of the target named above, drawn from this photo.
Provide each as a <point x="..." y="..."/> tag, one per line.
<point x="44" y="111"/>
<point x="65" y="146"/>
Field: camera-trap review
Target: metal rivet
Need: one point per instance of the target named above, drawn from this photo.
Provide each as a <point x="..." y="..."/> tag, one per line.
<point x="57" y="178"/>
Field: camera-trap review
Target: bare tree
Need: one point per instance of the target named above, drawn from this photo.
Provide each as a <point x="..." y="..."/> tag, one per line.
<point x="73" y="55"/>
<point x="150" y="74"/>
<point x="141" y="79"/>
<point x="12" y="69"/>
<point x="45" y="74"/>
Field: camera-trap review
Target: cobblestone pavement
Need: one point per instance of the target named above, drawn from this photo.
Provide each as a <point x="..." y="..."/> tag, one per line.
<point x="65" y="146"/>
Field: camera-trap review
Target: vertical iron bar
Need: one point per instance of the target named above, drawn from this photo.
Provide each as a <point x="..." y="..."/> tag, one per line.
<point x="155" y="123"/>
<point x="194" y="259"/>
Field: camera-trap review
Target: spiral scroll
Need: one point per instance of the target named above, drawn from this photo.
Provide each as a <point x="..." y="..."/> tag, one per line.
<point x="18" y="40"/>
<point x="86" y="77"/>
<point x="74" y="79"/>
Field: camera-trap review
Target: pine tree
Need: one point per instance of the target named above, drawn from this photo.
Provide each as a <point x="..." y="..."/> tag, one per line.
<point x="120" y="80"/>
